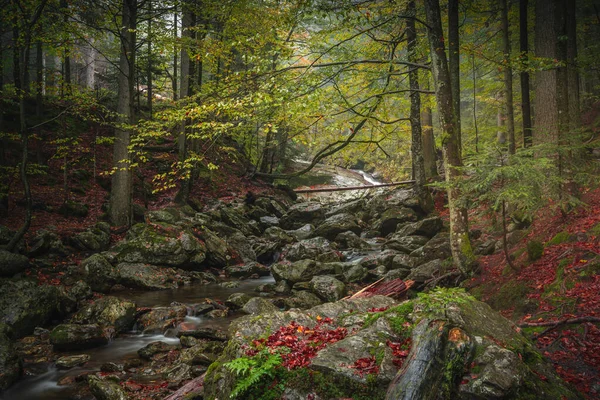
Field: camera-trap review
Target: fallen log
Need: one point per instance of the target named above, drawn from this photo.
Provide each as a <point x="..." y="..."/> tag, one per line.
<point x="555" y="324"/>
<point x="362" y="187"/>
<point x="193" y="386"/>
<point x="394" y="288"/>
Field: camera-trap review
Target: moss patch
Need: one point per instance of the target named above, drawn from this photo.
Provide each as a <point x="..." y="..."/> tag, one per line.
<point x="535" y="250"/>
<point x="559" y="238"/>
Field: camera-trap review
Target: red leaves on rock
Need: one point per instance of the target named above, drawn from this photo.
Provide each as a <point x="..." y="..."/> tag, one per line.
<point x="366" y="366"/>
<point x="400" y="351"/>
<point x="304" y="343"/>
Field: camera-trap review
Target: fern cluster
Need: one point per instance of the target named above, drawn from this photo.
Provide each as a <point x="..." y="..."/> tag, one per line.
<point x="252" y="370"/>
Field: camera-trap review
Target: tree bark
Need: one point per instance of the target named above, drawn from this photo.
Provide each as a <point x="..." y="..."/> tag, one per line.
<point x="121" y="192"/>
<point x="418" y="163"/>
<point x="572" y="67"/>
<point x="508" y="81"/>
<point x="66" y="57"/>
<point x="454" y="63"/>
<point x="460" y="244"/>
<point x="525" y="98"/>
<point x="175" y="56"/>
<point x="149" y="69"/>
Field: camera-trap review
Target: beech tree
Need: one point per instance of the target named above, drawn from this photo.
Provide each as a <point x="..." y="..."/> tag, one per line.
<point x="460" y="243"/>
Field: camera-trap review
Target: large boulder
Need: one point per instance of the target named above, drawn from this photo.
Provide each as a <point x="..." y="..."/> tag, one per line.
<point x="106" y="389"/>
<point x="299" y="271"/>
<point x="301" y="214"/>
<point x="99" y="273"/>
<point x="25" y="305"/>
<point x="150" y="277"/>
<point x="405" y="244"/>
<point x="425" y="272"/>
<point x="350" y="207"/>
<point x="96" y="238"/>
<point x="47" y="243"/>
<point x="107" y="311"/>
<point x="235" y="218"/>
<point x="426" y="227"/>
<point x="279" y="236"/>
<point x="10" y="364"/>
<point x="241" y="247"/>
<point x="444" y="344"/>
<point x="161" y="244"/>
<point x="328" y="288"/>
<point x="309" y="249"/>
<point x="12" y="263"/>
<point x="337" y="224"/>
<point x="218" y="253"/>
<point x="437" y="248"/>
<point x="304" y="232"/>
<point x="244" y="271"/>
<point x="159" y="319"/>
<point x="67" y="337"/>
<point x="391" y="217"/>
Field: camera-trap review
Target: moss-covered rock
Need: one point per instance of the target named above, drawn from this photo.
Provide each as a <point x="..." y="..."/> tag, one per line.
<point x="12" y="263"/>
<point x="67" y="337"/>
<point x="25" y="305"/>
<point x="105" y="390"/>
<point x="107" y="311"/>
<point x="10" y="363"/>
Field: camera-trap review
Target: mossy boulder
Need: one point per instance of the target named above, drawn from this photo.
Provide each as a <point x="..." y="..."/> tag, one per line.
<point x="105" y="389"/>
<point x="337" y="224"/>
<point x="10" y="363"/>
<point x="107" y="311"/>
<point x="391" y="217"/>
<point x="47" y="243"/>
<point x="303" y="213"/>
<point x="161" y="244"/>
<point x="12" y="263"/>
<point x="67" y="337"/>
<point x="244" y="271"/>
<point x="308" y="249"/>
<point x="299" y="271"/>
<point x="24" y="305"/>
<point x="405" y="244"/>
<point x="428" y="227"/>
<point x="159" y="319"/>
<point x="74" y="209"/>
<point x="327" y="287"/>
<point x="99" y="273"/>
<point x="96" y="238"/>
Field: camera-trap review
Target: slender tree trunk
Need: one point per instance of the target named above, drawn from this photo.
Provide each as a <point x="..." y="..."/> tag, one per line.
<point x="428" y="143"/>
<point x="418" y="163"/>
<point x="121" y="191"/>
<point x="149" y="70"/>
<point x="572" y="67"/>
<point x="66" y="57"/>
<point x="39" y="62"/>
<point x="459" y="228"/>
<point x="508" y="81"/>
<point x="454" y="63"/>
<point x="475" y="127"/>
<point x="525" y="98"/>
<point x="175" y="57"/>
<point x="501" y="124"/>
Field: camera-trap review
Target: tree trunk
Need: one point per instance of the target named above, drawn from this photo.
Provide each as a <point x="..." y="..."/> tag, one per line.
<point x="149" y="70"/>
<point x="508" y="89"/>
<point x="175" y="57"/>
<point x="428" y="143"/>
<point x="121" y="193"/>
<point x="572" y="67"/>
<point x="459" y="228"/>
<point x="546" y="111"/>
<point x="66" y="57"/>
<point x="475" y="127"/>
<point x="454" y="63"/>
<point x="418" y="163"/>
<point x="39" y="90"/>
<point x="525" y="101"/>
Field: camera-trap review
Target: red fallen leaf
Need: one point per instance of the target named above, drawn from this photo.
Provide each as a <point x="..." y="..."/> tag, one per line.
<point x="464" y="381"/>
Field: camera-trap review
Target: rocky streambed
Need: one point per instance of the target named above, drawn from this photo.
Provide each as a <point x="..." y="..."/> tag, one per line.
<point x="247" y="301"/>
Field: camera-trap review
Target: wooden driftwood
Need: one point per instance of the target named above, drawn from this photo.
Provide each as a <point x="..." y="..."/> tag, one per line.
<point x="195" y="385"/>
<point x="394" y="288"/>
<point x="362" y="187"/>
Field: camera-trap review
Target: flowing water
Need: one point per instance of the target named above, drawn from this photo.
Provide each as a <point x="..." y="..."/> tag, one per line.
<point x="44" y="384"/>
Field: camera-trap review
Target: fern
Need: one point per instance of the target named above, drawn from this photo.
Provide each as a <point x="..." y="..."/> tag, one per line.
<point x="253" y="370"/>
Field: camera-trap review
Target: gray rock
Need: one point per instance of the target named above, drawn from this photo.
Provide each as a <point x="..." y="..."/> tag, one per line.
<point x="405" y="244"/>
<point x="426" y="227"/>
<point x="268" y="222"/>
<point x="235" y="218"/>
<point x="244" y="271"/>
<point x="402" y="261"/>
<point x="205" y="333"/>
<point x="328" y="288"/>
<point x="107" y="311"/>
<point x="437" y="248"/>
<point x="47" y="243"/>
<point x="299" y="271"/>
<point x="426" y="271"/>
<point x="96" y="238"/>
<point x="393" y="216"/>
<point x="144" y="276"/>
<point x="72" y="361"/>
<point x="353" y="272"/>
<point x="303" y="213"/>
<point x="151" y="349"/>
<point x="242" y="247"/>
<point x="350" y="240"/>
<point x="10" y="363"/>
<point x="159" y="319"/>
<point x="67" y="337"/>
<point x="237" y="300"/>
<point x="24" y="305"/>
<point x="279" y="236"/>
<point x="218" y="253"/>
<point x="258" y="305"/>
<point x="304" y="232"/>
<point x="12" y="263"/>
<point x="99" y="273"/>
<point x="169" y="216"/>
<point x="337" y="224"/>
<point x="302" y="300"/>
<point x="161" y="244"/>
<point x="80" y="291"/>
<point x="308" y="249"/>
<point x="350" y="207"/>
<point x="105" y="390"/>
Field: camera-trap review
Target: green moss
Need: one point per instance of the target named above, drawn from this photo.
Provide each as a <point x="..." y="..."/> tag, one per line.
<point x="595" y="231"/>
<point x="511" y="294"/>
<point x="397" y="317"/>
<point x="535" y="250"/>
<point x="559" y="238"/>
